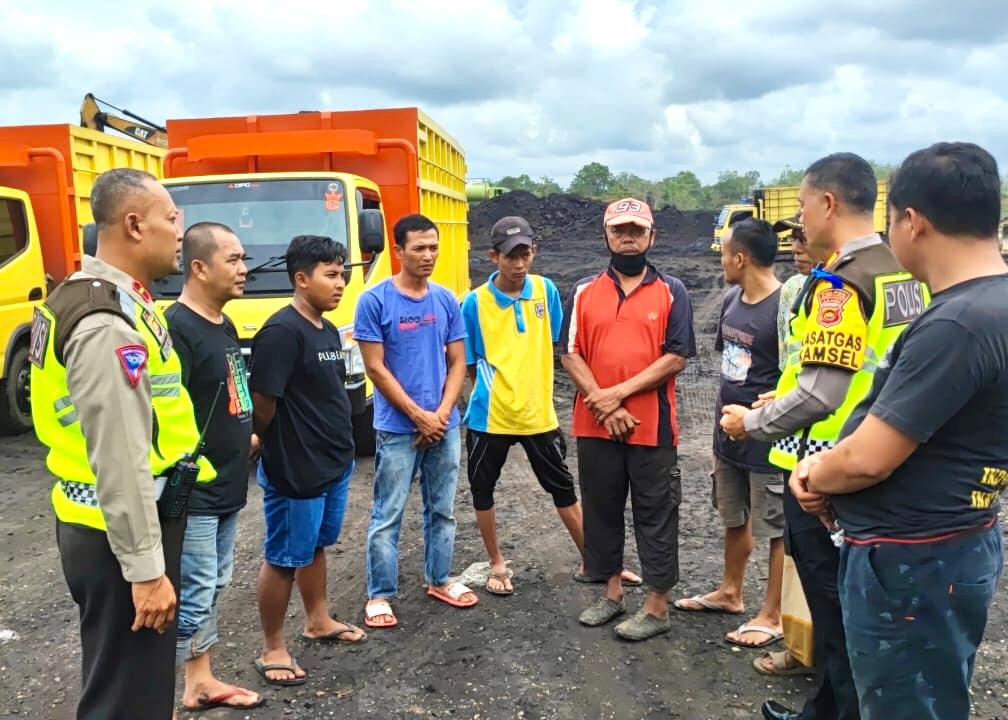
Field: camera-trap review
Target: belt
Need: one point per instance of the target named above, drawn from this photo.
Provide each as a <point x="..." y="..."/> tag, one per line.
<point x="926" y="540"/>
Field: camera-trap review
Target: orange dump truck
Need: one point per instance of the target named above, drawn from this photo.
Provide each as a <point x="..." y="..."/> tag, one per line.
<point x="46" y="174"/>
<point x="345" y="175"/>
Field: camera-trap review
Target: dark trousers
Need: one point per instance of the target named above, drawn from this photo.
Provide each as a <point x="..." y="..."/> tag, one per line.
<point x="607" y="472"/>
<point x="817" y="561"/>
<point x="126" y="675"/>
<point x="915" y="615"/>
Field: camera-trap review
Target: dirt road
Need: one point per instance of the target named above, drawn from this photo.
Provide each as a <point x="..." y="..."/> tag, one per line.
<point x="520" y="657"/>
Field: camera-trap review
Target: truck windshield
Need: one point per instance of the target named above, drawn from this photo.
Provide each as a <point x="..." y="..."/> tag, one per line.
<point x="722" y="218"/>
<point x="265" y="214"/>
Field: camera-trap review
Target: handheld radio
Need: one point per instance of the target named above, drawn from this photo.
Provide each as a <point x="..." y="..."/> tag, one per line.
<point x="174" y="500"/>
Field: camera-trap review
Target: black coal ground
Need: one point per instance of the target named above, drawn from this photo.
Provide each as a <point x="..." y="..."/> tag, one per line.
<point x="524" y="656"/>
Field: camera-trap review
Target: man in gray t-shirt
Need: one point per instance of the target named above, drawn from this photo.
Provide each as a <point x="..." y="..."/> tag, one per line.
<point x="747" y="488"/>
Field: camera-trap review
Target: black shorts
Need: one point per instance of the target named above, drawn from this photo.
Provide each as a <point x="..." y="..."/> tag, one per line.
<point x="546" y="452"/>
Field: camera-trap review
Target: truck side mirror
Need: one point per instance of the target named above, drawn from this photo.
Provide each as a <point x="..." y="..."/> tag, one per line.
<point x="371" y="229"/>
<point x="90" y="240"/>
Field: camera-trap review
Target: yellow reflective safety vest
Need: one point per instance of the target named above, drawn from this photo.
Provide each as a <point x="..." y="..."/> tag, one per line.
<point x="894" y="300"/>
<point x="56" y="423"/>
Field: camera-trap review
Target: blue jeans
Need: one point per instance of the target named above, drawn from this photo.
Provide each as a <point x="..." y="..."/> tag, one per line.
<point x="207" y="565"/>
<point x="297" y="527"/>
<point x="915" y="615"/>
<point x="397" y="462"/>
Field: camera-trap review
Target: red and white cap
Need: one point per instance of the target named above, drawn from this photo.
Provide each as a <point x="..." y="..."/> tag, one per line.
<point x="629" y="210"/>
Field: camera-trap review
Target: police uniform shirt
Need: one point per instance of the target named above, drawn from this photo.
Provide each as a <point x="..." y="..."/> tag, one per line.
<point x="117" y="421"/>
<point x="832" y="350"/>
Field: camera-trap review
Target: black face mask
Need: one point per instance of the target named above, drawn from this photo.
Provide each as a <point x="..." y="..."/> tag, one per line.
<point x="629" y="265"/>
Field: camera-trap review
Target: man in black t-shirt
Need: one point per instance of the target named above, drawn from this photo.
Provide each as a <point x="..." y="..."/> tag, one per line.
<point x="214" y="374"/>
<point x="302" y="416"/>
<point x="915" y="483"/>
<point x="748" y="490"/>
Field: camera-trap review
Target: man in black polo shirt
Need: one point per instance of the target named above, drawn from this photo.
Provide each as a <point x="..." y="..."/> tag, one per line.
<point x="915" y="484"/>
<point x="302" y="415"/>
<point x="214" y="374"/>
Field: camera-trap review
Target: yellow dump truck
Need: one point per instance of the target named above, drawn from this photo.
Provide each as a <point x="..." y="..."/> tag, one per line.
<point x="347" y="175"/>
<point x="776" y="203"/>
<point x="46" y="174"/>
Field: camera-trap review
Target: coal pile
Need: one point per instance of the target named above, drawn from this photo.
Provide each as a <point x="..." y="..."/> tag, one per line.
<point x="569" y="234"/>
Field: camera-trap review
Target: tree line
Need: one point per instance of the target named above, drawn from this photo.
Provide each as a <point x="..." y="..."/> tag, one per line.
<point x="683" y="190"/>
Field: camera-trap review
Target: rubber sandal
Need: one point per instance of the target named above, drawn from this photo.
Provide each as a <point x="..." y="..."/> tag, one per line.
<point x="221" y="700"/>
<point x="643" y="625"/>
<point x="582" y="578"/>
<point x="779" y="663"/>
<point x="337" y="635"/>
<point x="772" y="636"/>
<point x="377" y="609"/>
<point x="706" y="606"/>
<point x="501" y="578"/>
<point x="263" y="668"/>
<point x="601" y="612"/>
<point x="452" y="594"/>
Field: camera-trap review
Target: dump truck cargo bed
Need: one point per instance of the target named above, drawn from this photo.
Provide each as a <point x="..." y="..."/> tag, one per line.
<point x="54" y="163"/>
<point x="416" y="164"/>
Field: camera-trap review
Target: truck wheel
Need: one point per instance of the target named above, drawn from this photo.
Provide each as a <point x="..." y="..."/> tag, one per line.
<point x="364" y="432"/>
<point x="15" y="395"/>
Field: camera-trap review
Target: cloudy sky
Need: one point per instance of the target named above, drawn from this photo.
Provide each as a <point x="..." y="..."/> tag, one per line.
<point x="544" y="86"/>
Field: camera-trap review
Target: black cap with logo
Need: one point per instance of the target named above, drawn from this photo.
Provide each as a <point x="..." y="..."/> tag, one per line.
<point x="510" y="232"/>
<point x="790" y="223"/>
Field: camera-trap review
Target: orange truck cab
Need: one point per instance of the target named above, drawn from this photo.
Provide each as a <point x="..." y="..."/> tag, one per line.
<point x="345" y="175"/>
<point x="46" y="174"/>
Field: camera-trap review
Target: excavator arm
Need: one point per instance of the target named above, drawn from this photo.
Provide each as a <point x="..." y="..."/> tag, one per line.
<point x="92" y="116"/>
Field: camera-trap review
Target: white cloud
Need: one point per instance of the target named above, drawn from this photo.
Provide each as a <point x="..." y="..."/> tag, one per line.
<point x="645" y="86"/>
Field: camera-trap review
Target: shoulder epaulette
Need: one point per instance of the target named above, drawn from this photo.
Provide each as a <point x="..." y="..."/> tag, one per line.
<point x="73" y="300"/>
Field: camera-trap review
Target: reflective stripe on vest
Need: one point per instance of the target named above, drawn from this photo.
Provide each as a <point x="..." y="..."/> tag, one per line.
<point x="786" y="452"/>
<point x="74" y="497"/>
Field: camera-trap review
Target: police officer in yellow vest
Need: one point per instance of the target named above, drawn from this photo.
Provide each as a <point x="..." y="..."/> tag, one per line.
<point x="854" y="305"/>
<point x="107" y="400"/>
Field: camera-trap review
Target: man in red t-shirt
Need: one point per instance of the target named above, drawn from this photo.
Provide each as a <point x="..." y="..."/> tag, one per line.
<point x="627" y="333"/>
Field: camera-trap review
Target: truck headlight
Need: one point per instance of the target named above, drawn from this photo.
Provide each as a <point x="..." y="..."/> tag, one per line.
<point x="352" y="357"/>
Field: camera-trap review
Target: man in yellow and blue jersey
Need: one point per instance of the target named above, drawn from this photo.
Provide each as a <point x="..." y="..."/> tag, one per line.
<point x="512" y="322"/>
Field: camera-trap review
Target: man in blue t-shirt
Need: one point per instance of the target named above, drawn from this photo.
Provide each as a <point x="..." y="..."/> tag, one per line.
<point x="915" y="483"/>
<point x="411" y="333"/>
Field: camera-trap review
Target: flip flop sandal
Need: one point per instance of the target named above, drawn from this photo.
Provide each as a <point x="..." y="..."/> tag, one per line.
<point x="337" y="635"/>
<point x="501" y="578"/>
<point x="582" y="578"/>
<point x="263" y="668"/>
<point x="221" y="700"/>
<point x="373" y="610"/>
<point x="452" y="594"/>
<point x="778" y="661"/>
<point x="706" y="606"/>
<point x="772" y="636"/>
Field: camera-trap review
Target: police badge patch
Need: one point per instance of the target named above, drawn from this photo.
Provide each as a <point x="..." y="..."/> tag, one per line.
<point x="831" y="304"/>
<point x="133" y="359"/>
<point x="39" y="339"/>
